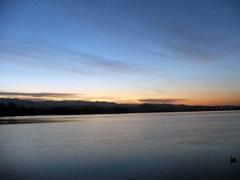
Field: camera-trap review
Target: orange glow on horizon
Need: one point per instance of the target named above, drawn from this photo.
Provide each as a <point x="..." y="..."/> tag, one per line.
<point x="207" y="101"/>
<point x="134" y="96"/>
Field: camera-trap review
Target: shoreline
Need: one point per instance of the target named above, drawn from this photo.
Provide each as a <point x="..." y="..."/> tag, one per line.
<point x="30" y="119"/>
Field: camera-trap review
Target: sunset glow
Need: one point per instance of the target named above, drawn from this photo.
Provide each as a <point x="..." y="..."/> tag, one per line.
<point x="121" y="51"/>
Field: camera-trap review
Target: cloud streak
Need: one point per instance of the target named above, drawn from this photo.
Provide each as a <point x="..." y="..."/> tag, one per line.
<point x="92" y="60"/>
<point x="160" y="100"/>
<point x="59" y="58"/>
<point x="196" y="53"/>
<point x="42" y="95"/>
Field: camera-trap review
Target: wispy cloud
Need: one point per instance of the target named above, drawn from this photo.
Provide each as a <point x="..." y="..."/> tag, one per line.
<point x="55" y="96"/>
<point x="92" y="60"/>
<point x="100" y="98"/>
<point x="161" y="100"/>
<point x="207" y="40"/>
<point x="196" y="53"/>
<point x="41" y="95"/>
<point x="59" y="58"/>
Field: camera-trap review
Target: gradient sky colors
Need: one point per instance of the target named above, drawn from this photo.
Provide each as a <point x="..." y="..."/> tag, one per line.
<point x="120" y="50"/>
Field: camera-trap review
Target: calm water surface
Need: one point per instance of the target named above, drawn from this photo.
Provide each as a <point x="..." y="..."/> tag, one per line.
<point x="129" y="146"/>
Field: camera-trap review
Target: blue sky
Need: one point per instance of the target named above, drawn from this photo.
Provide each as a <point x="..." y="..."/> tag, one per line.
<point x="184" y="51"/>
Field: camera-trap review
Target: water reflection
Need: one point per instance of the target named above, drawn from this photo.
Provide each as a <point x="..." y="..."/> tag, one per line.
<point x="129" y="146"/>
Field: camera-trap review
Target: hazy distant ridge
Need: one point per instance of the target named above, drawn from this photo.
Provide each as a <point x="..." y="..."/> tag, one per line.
<point x="16" y="107"/>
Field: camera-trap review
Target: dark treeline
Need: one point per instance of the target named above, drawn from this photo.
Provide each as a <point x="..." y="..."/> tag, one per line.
<point x="15" y="107"/>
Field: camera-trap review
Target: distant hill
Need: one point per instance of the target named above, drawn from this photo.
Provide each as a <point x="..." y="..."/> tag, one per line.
<point x="18" y="107"/>
<point x="51" y="104"/>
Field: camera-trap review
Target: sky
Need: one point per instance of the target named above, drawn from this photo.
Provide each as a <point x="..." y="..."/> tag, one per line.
<point x="138" y="51"/>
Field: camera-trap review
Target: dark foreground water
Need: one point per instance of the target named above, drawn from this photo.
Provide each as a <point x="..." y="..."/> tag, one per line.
<point x="130" y="146"/>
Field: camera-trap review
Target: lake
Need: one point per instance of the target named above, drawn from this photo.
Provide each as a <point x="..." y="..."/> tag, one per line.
<point x="190" y="145"/>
